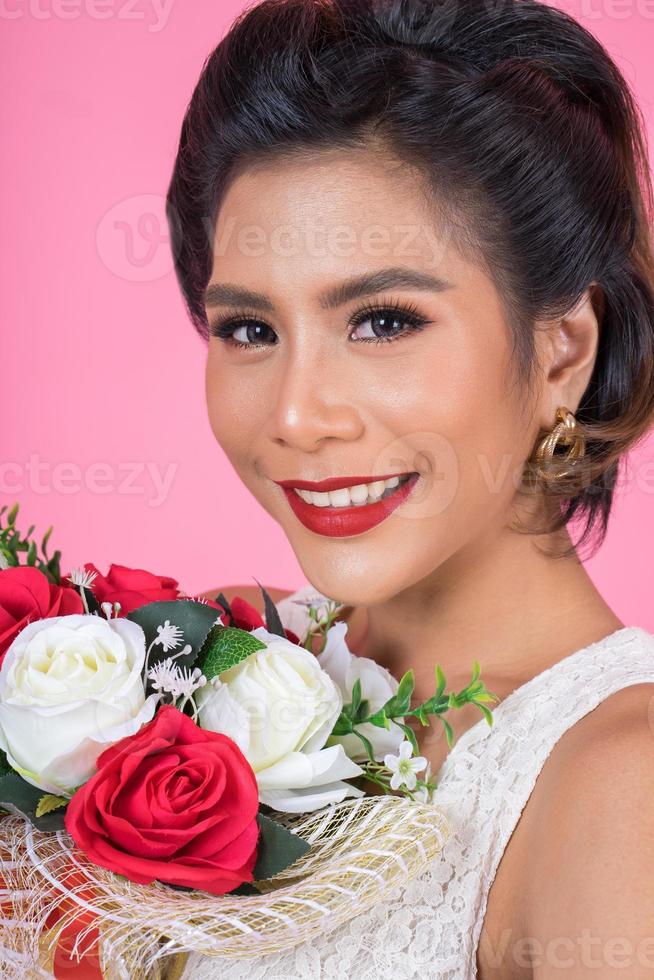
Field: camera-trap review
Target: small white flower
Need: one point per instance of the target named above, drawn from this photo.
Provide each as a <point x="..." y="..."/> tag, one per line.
<point x="3" y="562"/>
<point x="169" y="636"/>
<point x="82" y="578"/>
<point x="404" y="767"/>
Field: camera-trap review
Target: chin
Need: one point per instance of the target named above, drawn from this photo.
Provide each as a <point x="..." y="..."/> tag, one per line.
<point x="352" y="587"/>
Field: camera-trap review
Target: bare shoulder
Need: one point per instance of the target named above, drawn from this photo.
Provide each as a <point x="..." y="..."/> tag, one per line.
<point x="251" y="594"/>
<point x="590" y="844"/>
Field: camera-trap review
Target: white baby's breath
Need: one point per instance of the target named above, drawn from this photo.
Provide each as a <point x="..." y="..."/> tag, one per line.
<point x="163" y="676"/>
<point x="82" y="578"/>
<point x="189" y="681"/>
<point x="169" y="636"/>
<point x="168" y="678"/>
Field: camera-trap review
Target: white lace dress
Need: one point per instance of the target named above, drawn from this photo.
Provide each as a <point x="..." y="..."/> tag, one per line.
<point x="430" y="928"/>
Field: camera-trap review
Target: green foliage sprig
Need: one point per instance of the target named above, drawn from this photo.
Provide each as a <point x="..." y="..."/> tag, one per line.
<point x="12" y="545"/>
<point x="397" y="710"/>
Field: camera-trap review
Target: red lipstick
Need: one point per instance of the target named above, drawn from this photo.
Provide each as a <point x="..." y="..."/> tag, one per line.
<point x="339" y="522"/>
<point x="336" y="482"/>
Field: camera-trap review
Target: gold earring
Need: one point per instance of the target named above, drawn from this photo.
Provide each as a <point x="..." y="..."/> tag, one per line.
<point x="566" y="431"/>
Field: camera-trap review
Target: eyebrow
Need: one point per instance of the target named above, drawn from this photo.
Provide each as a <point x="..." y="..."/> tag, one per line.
<point x="395" y="277"/>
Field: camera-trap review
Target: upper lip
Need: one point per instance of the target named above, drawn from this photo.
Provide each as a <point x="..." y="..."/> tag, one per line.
<point x="335" y="482"/>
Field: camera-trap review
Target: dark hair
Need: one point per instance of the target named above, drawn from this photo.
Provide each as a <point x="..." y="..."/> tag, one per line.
<point x="527" y="133"/>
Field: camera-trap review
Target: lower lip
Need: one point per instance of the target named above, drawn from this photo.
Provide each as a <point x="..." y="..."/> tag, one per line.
<point x="342" y="522"/>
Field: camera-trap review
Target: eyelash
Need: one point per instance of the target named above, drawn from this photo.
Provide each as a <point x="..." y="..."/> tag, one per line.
<point x="224" y="327"/>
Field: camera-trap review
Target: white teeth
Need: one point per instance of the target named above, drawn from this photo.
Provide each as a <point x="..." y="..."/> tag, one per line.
<point x="357" y="496"/>
<point x="319" y="499"/>
<point x="339" y="498"/>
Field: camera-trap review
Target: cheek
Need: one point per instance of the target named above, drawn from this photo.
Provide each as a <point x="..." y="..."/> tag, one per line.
<point x="463" y="423"/>
<point x="230" y="407"/>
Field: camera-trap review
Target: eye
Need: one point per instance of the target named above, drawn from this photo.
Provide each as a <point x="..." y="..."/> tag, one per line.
<point x="387" y="323"/>
<point x="243" y="331"/>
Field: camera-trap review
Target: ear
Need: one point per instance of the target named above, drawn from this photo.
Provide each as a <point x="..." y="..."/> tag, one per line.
<point x="568" y="351"/>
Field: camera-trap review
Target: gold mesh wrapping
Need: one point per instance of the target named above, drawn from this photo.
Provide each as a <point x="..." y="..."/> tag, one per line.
<point x="361" y="849"/>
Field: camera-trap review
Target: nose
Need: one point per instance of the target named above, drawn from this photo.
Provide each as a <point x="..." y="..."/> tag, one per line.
<point x="311" y="406"/>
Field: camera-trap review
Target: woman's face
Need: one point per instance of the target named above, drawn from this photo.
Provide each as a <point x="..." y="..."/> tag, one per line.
<point x="317" y="389"/>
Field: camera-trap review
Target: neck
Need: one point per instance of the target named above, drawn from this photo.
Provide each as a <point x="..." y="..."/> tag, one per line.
<point x="501" y="602"/>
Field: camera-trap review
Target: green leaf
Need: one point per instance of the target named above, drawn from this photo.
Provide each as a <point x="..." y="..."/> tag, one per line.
<point x="195" y="619"/>
<point x="225" y="647"/>
<point x="362" y="713"/>
<point x="411" y="735"/>
<point x="440" y="680"/>
<point x="44" y="542"/>
<point x="48" y="803"/>
<point x="271" y="615"/>
<point x="278" y="848"/>
<point x="243" y="889"/>
<point x="17" y="795"/>
<point x="356" y="697"/>
<point x="222" y="601"/>
<point x="488" y="715"/>
<point x="343" y="725"/>
<point x="449" y="734"/>
<point x="379" y="719"/>
<point x="401" y="700"/>
<point x="366" y="744"/>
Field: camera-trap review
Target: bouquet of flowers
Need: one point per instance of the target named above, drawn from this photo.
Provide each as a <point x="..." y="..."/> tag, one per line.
<point x="182" y="774"/>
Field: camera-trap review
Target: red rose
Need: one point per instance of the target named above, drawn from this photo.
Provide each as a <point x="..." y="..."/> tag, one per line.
<point x="246" y="617"/>
<point x="172" y="802"/>
<point x="26" y="594"/>
<point x="131" y="587"/>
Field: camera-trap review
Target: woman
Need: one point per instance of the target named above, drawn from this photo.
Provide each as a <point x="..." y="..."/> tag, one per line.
<point x="415" y="238"/>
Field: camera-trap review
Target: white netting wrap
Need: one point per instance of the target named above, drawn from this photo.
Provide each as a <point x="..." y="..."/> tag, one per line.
<point x="361" y="850"/>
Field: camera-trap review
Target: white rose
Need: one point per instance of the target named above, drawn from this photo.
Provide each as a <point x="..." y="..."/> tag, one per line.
<point x="377" y="686"/>
<point x="69" y="687"/>
<point x="280" y="708"/>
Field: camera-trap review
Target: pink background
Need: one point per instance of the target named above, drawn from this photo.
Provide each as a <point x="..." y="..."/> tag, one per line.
<point x="102" y="373"/>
